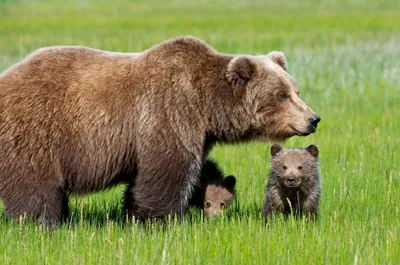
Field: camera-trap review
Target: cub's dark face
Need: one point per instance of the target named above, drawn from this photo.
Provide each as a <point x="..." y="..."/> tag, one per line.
<point x="272" y="97"/>
<point x="294" y="167"/>
<point x="218" y="197"/>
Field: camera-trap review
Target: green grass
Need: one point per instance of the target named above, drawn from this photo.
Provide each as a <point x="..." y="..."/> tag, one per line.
<point x="345" y="55"/>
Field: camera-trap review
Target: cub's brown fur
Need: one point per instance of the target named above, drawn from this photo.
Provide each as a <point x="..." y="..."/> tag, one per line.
<point x="215" y="192"/>
<point x="79" y="120"/>
<point x="294" y="185"/>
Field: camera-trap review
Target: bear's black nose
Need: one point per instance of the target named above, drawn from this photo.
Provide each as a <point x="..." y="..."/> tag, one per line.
<point x="290" y="180"/>
<point x="314" y="119"/>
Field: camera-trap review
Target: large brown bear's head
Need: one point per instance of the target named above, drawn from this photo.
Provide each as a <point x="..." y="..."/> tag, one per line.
<point x="271" y="97"/>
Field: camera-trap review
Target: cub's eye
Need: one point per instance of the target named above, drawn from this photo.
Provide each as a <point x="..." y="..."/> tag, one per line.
<point x="284" y="96"/>
<point x="300" y="167"/>
<point x="208" y="204"/>
<point x="284" y="167"/>
<point x="222" y="205"/>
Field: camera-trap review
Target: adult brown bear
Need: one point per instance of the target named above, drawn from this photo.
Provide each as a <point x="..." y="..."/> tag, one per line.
<point x="78" y="120"/>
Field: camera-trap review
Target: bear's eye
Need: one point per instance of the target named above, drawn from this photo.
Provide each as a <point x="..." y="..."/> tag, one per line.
<point x="300" y="167"/>
<point x="222" y="205"/>
<point x="208" y="204"/>
<point x="284" y="96"/>
<point x="284" y="167"/>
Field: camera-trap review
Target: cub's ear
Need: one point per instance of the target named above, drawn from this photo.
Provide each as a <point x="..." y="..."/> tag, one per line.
<point x="240" y="70"/>
<point x="278" y="58"/>
<point x="313" y="150"/>
<point x="230" y="182"/>
<point x="275" y="149"/>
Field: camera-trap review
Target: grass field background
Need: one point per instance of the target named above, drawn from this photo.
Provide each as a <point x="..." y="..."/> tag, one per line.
<point x="345" y="56"/>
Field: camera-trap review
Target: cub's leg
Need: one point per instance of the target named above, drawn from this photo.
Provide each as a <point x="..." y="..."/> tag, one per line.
<point x="272" y="203"/>
<point x="310" y="206"/>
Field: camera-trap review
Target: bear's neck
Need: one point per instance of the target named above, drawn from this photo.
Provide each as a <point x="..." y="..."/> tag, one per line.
<point x="227" y="118"/>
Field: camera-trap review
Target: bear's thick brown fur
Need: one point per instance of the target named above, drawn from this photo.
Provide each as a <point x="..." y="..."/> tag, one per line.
<point x="79" y="120"/>
<point x="294" y="185"/>
<point x="215" y="192"/>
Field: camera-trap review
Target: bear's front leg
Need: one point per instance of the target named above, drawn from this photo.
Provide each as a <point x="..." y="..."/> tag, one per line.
<point x="273" y="203"/>
<point x="310" y="206"/>
<point x="163" y="186"/>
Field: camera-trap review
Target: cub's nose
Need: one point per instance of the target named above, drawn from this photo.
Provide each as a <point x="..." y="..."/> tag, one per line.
<point x="291" y="180"/>
<point x="314" y="120"/>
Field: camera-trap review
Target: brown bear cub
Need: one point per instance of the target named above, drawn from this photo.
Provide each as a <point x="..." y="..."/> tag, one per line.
<point x="215" y="192"/>
<point x="294" y="185"/>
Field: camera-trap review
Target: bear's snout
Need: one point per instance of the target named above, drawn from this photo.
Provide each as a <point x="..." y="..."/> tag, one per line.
<point x="314" y="120"/>
<point x="292" y="182"/>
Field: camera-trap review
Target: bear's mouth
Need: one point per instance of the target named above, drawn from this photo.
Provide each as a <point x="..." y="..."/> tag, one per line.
<point x="291" y="185"/>
<point x="299" y="133"/>
<point x="313" y="127"/>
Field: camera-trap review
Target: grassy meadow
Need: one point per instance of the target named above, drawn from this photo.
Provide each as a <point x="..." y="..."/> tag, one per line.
<point x="345" y="56"/>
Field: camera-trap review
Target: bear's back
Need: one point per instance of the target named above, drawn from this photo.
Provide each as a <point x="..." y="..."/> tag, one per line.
<point x="59" y="65"/>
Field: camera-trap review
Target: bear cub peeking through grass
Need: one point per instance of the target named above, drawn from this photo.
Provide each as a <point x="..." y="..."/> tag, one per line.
<point x="215" y="192"/>
<point x="294" y="185"/>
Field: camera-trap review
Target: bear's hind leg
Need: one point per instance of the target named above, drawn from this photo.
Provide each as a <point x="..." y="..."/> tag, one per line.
<point x="47" y="204"/>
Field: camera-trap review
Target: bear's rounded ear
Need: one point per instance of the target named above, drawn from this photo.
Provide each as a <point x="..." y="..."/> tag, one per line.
<point x="275" y="149"/>
<point x="230" y="182"/>
<point x="278" y="58"/>
<point x="313" y="150"/>
<point x="240" y="69"/>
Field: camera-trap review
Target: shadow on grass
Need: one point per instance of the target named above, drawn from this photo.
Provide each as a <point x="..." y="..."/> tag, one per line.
<point x="80" y="213"/>
<point x="96" y="215"/>
<point x="100" y="214"/>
